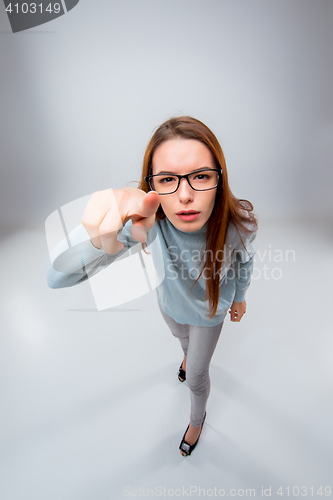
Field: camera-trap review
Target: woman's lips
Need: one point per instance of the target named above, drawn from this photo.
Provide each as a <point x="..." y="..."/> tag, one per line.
<point x="188" y="215"/>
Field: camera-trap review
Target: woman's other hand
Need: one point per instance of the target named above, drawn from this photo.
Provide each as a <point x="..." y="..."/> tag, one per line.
<point x="237" y="311"/>
<point x="107" y="211"/>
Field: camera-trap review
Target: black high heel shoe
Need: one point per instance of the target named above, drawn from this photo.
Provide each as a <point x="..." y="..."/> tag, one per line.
<point x="181" y="374"/>
<point x="188" y="448"/>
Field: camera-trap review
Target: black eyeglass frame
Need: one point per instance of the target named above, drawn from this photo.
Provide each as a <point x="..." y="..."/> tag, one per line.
<point x="186" y="176"/>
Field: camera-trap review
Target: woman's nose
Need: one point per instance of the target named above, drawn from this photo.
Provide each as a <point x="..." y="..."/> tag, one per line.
<point x="185" y="192"/>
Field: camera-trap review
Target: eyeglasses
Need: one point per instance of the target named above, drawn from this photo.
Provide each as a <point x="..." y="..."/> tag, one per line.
<point x="203" y="179"/>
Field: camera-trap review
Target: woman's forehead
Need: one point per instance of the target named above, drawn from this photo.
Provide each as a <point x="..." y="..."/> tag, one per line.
<point x="181" y="156"/>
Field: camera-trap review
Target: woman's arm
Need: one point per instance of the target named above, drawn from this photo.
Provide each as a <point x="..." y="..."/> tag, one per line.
<point x="243" y="273"/>
<point x="102" y="237"/>
<point x="71" y="264"/>
<point x="243" y="267"/>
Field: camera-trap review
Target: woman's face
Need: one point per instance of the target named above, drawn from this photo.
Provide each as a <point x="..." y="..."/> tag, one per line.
<point x="182" y="156"/>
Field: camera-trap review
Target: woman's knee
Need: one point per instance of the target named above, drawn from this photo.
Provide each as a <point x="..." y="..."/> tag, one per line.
<point x="180" y="333"/>
<point x="198" y="382"/>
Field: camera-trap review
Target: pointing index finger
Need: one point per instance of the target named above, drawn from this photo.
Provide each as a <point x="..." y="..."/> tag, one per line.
<point x="150" y="204"/>
<point x="144" y="215"/>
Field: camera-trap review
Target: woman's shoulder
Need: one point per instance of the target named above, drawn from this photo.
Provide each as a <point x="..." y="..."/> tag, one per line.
<point x="245" y="226"/>
<point x="241" y="235"/>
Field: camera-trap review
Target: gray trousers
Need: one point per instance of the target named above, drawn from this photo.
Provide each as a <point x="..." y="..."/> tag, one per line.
<point x="198" y="344"/>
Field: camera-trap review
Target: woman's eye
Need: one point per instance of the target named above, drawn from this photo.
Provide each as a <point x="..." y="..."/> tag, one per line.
<point x="166" y="180"/>
<point x="202" y="177"/>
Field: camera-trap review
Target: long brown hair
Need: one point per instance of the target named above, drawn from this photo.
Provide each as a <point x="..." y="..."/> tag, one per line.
<point x="227" y="207"/>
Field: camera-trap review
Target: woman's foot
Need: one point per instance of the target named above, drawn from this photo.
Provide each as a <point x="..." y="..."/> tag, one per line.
<point x="191" y="436"/>
<point x="190" y="439"/>
<point x="182" y="371"/>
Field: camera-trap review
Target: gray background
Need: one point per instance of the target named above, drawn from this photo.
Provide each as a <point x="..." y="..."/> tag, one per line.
<point x="80" y="97"/>
<point x="90" y="401"/>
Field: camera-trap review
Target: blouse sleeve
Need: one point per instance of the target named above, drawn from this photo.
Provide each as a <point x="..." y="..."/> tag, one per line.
<point x="75" y="259"/>
<point x="243" y="265"/>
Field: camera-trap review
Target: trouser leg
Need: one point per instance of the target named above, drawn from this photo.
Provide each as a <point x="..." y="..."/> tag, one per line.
<point x="179" y="331"/>
<point x="198" y="344"/>
<point x="202" y="343"/>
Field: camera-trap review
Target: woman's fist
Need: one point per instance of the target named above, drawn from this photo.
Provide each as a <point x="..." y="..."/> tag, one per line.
<point x="107" y="211"/>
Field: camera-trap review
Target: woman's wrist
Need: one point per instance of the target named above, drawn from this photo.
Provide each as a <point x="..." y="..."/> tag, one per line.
<point x="97" y="248"/>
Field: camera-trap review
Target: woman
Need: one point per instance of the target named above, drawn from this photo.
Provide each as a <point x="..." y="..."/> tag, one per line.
<point x="205" y="234"/>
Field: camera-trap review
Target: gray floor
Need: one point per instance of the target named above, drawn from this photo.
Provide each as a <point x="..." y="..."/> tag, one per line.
<point x="91" y="405"/>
